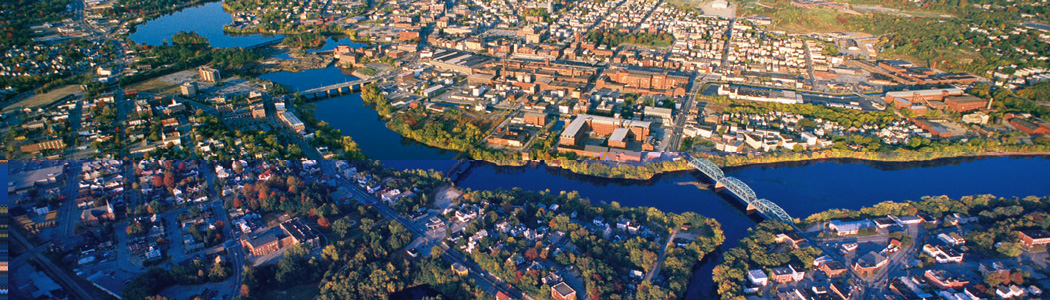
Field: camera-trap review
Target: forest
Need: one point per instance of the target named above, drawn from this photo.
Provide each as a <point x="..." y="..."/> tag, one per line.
<point x="1036" y="92"/>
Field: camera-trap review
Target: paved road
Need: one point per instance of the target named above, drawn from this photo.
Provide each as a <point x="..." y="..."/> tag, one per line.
<point x="725" y="52"/>
<point x="683" y="114"/>
<point x="69" y="212"/>
<point x="233" y="247"/>
<point x="809" y="62"/>
<point x="663" y="254"/>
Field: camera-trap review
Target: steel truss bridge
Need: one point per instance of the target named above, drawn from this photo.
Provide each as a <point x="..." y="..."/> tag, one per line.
<point x="740" y="189"/>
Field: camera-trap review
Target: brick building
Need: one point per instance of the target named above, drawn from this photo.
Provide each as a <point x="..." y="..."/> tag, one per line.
<point x="271" y="239"/>
<point x="869" y="264"/>
<point x="536" y="119"/>
<point x="904" y="99"/>
<point x="562" y="291"/>
<point x="943" y="280"/>
<point x="833" y="268"/>
<point x="1031" y="127"/>
<point x="1034" y="237"/>
<point x="602" y="126"/>
<point x="43" y="145"/>
<point x="644" y="81"/>
<point x="964" y="103"/>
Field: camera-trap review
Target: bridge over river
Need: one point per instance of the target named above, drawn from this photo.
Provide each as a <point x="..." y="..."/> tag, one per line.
<point x="741" y="190"/>
<point x="344" y="87"/>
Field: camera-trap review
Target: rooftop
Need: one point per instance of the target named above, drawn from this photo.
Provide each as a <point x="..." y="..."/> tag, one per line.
<point x="563" y="289"/>
<point x="871" y="259"/>
<point x="1036" y="233"/>
<point x="298" y="230"/>
<point x="264" y="236"/>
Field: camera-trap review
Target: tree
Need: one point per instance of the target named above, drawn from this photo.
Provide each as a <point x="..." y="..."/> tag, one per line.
<point x="436" y="252"/>
<point x="531" y="254"/>
<point x="994" y="279"/>
<point x="147" y="284"/>
<point x="330" y="253"/>
<point x="158" y="181"/>
<point x="343" y="226"/>
<point x="292" y="269"/>
<point x="1009" y="249"/>
<point x="169" y="180"/>
<point x="217" y="272"/>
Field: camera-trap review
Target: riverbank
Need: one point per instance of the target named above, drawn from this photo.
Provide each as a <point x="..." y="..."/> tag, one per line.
<point x="298" y="61"/>
<point x="620" y="170"/>
<point x="751" y="159"/>
<point x="646" y="171"/>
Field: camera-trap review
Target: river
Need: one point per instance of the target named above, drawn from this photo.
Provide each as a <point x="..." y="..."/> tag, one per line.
<point x="349" y="114"/>
<point x="800" y="188"/>
<point x="346" y="112"/>
<point x="206" y="20"/>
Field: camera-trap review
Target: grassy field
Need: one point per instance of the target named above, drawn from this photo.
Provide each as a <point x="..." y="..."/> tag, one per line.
<point x="684" y="3"/>
<point x="156" y="85"/>
<point x="47" y="98"/>
<point x="798" y="20"/>
<point x="300" y="292"/>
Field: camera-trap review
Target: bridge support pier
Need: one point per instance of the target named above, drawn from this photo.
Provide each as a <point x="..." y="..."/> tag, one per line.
<point x="719" y="185"/>
<point x="751" y="208"/>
